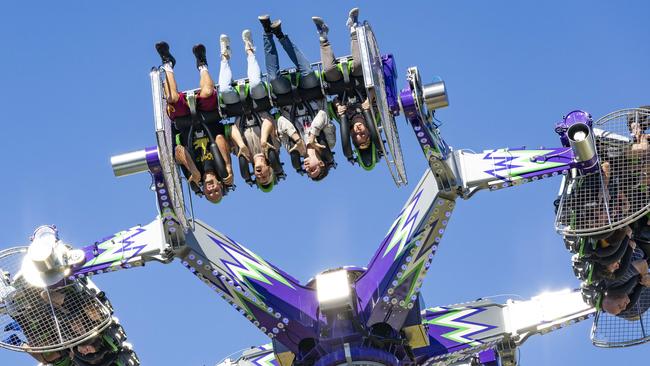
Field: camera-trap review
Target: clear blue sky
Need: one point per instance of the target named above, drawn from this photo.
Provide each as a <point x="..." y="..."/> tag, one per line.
<point x="75" y="90"/>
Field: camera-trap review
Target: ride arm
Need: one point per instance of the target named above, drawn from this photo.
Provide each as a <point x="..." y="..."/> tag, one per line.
<point x="272" y="300"/>
<point x="502" y="168"/>
<point x="459" y="332"/>
<point x="455" y="334"/>
<point x="389" y="289"/>
<point x="125" y="249"/>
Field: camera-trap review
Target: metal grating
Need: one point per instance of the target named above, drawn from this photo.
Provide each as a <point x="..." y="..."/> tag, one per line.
<point x="166" y="148"/>
<point x="619" y="193"/>
<point x="43" y="320"/>
<point x="629" y="328"/>
<point x="386" y="126"/>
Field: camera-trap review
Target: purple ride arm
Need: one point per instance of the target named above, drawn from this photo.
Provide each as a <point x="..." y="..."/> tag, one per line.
<point x="466" y="171"/>
<point x="271" y="299"/>
<point x="388" y="290"/>
<point x="482" y="330"/>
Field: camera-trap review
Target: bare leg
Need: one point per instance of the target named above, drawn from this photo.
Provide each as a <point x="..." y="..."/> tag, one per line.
<point x="206" y="84"/>
<point x="171" y="90"/>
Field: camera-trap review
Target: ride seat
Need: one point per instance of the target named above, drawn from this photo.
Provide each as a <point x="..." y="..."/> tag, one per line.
<point x="207" y="117"/>
<point x="244" y="100"/>
<point x="292" y="88"/>
<point x="348" y="83"/>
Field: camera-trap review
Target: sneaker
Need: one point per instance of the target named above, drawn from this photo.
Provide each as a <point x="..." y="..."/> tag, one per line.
<point x="353" y="18"/>
<point x="248" y="40"/>
<point x="224" y="42"/>
<point x="266" y="22"/>
<point x="165" y="56"/>
<point x="199" y="53"/>
<point x="321" y="27"/>
<point x="276" y="28"/>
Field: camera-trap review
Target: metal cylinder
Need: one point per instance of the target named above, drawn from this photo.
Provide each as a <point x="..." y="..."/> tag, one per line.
<point x="581" y="142"/>
<point x="41" y="252"/>
<point x="435" y="95"/>
<point x="130" y="163"/>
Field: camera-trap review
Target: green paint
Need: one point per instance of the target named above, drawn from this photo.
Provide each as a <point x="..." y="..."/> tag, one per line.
<point x="441" y="321"/>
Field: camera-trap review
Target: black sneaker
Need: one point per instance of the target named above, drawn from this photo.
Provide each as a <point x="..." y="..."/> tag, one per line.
<point x="199" y="53"/>
<point x="266" y="22"/>
<point x="163" y="50"/>
<point x="276" y="28"/>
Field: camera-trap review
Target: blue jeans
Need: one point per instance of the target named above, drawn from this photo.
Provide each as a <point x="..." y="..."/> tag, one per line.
<point x="294" y="53"/>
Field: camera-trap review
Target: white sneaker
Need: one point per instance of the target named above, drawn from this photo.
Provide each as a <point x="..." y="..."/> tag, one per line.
<point x="224" y="42"/>
<point x="248" y="40"/>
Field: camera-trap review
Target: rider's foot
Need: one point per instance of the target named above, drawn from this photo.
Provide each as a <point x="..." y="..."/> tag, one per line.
<point x="266" y="22"/>
<point x="165" y="56"/>
<point x="248" y="41"/>
<point x="353" y="18"/>
<point x="276" y="29"/>
<point x="199" y="53"/>
<point x="224" y="43"/>
<point x="321" y="27"/>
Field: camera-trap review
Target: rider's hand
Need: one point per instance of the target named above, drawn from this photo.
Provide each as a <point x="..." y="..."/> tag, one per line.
<point x="366" y="104"/>
<point x="228" y="180"/>
<point x="645" y="280"/>
<point x="313" y="144"/>
<point x="195" y="178"/>
<point x="641" y="266"/>
<point x="341" y="109"/>
<point x="243" y="151"/>
<point x="266" y="147"/>
<point x="300" y="147"/>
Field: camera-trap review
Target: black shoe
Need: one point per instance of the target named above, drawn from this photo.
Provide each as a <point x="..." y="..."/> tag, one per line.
<point x="199" y="52"/>
<point x="276" y="28"/>
<point x="163" y="50"/>
<point x="266" y="22"/>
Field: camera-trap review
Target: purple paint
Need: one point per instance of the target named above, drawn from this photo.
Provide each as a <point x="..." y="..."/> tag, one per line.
<point x="153" y="160"/>
<point x="376" y="280"/>
<point x="487" y="356"/>
<point x="390" y="80"/>
<point x="408" y="103"/>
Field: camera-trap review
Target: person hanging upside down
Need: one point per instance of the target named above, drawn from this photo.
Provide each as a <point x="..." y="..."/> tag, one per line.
<point x="300" y="124"/>
<point x="620" y="298"/>
<point x="352" y="101"/>
<point x="198" y="163"/>
<point x="251" y="137"/>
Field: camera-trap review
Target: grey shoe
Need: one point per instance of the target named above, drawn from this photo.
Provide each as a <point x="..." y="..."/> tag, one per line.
<point x="321" y="27"/>
<point x="353" y="18"/>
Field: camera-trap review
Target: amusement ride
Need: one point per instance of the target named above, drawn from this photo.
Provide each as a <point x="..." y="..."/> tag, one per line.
<point x="355" y="315"/>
